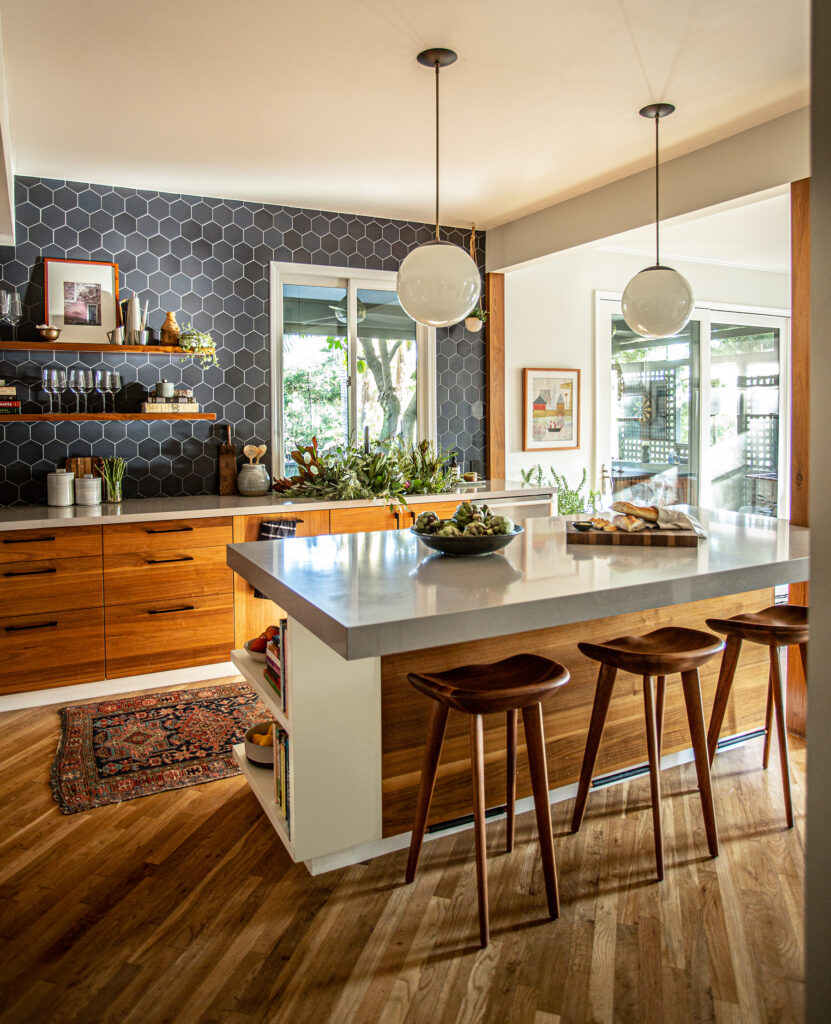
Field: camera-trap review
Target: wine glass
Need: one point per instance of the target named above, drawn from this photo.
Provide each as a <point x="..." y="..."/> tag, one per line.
<point x="46" y="385"/>
<point x="106" y="386"/>
<point x="5" y="303"/>
<point x="59" y="384"/>
<point x="76" y="386"/>
<point x="115" y="385"/>
<point x="100" y="382"/>
<point x="86" y="386"/>
<point x="15" y="313"/>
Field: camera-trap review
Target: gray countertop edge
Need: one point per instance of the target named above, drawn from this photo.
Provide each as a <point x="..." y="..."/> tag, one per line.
<point x="204" y="506"/>
<point x="395" y="637"/>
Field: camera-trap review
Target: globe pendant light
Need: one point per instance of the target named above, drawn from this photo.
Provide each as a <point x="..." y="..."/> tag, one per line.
<point x="658" y="301"/>
<point x="438" y="283"/>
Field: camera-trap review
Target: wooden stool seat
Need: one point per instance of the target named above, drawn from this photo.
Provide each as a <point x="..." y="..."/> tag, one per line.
<point x="517" y="683"/>
<point x="660" y="653"/>
<point x="514" y="683"/>
<point x="783" y="625"/>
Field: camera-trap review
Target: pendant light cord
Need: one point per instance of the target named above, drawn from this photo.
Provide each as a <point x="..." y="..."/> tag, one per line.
<point x="657" y="195"/>
<point x="437" y="150"/>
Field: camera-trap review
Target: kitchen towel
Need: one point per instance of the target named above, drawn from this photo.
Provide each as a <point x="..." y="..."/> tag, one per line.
<point x="276" y="529"/>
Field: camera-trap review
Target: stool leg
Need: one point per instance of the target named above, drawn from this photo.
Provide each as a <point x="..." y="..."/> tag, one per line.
<point x="695" y="718"/>
<point x="535" y="743"/>
<point x="659" y="712"/>
<point x="430" y="764"/>
<point x="768" y="725"/>
<point x="602" y="696"/>
<point x="803" y="653"/>
<point x="729" y="661"/>
<point x="781" y="731"/>
<point x="511" y="780"/>
<point x="652" y="744"/>
<point x="477" y="763"/>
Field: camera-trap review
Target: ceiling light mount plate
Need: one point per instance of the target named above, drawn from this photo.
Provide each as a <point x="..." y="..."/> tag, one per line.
<point x="438" y="55"/>
<point x="656" y="110"/>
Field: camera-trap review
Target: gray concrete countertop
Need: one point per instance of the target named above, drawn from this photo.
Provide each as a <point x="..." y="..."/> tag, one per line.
<point x="137" y="510"/>
<point x="382" y="593"/>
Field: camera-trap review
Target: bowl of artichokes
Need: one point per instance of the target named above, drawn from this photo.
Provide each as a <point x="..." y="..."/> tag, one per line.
<point x="472" y="530"/>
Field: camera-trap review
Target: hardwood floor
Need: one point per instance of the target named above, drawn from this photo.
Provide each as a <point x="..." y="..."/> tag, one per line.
<point x="183" y="907"/>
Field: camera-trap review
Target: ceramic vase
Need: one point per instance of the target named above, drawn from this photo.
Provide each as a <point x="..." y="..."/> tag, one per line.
<point x="253" y="479"/>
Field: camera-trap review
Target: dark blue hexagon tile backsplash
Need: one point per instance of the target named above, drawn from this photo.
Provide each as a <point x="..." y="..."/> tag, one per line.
<point x="208" y="260"/>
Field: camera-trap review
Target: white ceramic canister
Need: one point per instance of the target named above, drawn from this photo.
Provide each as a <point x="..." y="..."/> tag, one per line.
<point x="253" y="479"/>
<point x="88" y="490"/>
<point x="60" y="488"/>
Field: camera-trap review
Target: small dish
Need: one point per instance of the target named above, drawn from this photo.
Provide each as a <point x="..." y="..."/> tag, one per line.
<point x="48" y="333"/>
<point x="582" y="525"/>
<point x="256" y="655"/>
<point x="263" y="756"/>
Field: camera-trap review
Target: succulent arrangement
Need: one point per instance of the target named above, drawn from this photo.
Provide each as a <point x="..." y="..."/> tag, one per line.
<point x="468" y="520"/>
<point x="200" y="345"/>
<point x="570" y="501"/>
<point x="390" y="470"/>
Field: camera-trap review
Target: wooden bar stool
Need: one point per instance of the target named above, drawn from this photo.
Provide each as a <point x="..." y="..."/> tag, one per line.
<point x="783" y="625"/>
<point x="660" y="653"/>
<point x="517" y="683"/>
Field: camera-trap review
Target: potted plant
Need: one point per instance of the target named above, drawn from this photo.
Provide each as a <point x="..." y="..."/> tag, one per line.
<point x="200" y="345"/>
<point x="475" y="319"/>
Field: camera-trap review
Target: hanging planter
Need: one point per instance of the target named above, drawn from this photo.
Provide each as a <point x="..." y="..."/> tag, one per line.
<point x="476" y="320"/>
<point x="199" y="345"/>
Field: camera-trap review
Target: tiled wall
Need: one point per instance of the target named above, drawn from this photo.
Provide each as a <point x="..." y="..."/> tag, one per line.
<point x="206" y="259"/>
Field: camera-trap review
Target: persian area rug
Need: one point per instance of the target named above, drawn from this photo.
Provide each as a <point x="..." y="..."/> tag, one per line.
<point x="121" y="749"/>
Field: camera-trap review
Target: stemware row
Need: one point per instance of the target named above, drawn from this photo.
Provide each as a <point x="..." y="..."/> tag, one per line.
<point x="81" y="384"/>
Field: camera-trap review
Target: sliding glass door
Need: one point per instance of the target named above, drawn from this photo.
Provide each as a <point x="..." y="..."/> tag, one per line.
<point x="700" y="417"/>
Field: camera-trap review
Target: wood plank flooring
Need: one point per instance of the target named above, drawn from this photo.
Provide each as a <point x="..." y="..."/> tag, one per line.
<point x="183" y="907"/>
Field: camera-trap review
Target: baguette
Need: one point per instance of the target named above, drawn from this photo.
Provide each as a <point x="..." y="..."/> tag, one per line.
<point x="649" y="513"/>
<point x="629" y="524"/>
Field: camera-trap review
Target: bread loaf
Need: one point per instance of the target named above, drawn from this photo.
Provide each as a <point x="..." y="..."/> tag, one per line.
<point x="629" y="524"/>
<point x="649" y="512"/>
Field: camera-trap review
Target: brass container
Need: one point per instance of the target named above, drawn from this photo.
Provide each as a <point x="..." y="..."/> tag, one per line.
<point x="170" y="331"/>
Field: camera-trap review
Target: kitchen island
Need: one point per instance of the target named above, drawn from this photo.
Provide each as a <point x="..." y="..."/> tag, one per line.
<point x="363" y="610"/>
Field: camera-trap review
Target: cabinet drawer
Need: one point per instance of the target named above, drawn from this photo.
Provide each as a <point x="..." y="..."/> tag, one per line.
<point x="51" y="649"/>
<point x="443" y="509"/>
<point x="169" y="574"/>
<point x="172" y="533"/>
<point x="62" y="542"/>
<point x="56" y="584"/>
<point x="151" y="636"/>
<point x="360" y="520"/>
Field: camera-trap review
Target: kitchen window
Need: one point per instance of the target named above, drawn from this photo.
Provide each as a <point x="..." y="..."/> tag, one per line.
<point x="701" y="417"/>
<point x="346" y="359"/>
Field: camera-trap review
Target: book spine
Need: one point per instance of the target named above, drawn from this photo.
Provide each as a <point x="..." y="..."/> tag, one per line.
<point x="283" y="661"/>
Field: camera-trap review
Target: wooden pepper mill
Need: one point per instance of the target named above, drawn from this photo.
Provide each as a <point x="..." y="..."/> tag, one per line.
<point x="169" y="334"/>
<point x="227" y="465"/>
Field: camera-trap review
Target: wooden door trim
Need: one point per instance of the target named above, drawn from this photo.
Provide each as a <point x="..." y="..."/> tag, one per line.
<point x="495" y="376"/>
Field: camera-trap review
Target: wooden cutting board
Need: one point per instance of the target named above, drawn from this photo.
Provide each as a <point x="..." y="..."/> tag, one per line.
<point x="82" y="465"/>
<point x="643" y="538"/>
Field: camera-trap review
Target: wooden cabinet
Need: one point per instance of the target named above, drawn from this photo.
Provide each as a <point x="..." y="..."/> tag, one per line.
<point x="51" y="648"/>
<point x="175" y="572"/>
<point x="164" y="536"/>
<point x="169" y="632"/>
<point x="252" y="614"/>
<point x="367" y="519"/>
<point x="52" y="633"/>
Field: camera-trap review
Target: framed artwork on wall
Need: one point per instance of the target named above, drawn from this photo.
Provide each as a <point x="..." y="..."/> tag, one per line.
<point x="81" y="298"/>
<point x="550" y="410"/>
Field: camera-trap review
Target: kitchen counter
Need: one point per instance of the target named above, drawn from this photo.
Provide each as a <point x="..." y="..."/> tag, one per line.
<point x="136" y="510"/>
<point x="375" y="594"/>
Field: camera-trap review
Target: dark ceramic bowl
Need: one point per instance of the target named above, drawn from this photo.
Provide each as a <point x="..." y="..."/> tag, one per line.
<point x="466" y="547"/>
<point x="582" y="525"/>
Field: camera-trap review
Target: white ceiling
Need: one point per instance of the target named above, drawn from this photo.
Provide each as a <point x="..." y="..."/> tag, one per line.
<point x="754" y="234"/>
<point x="321" y="103"/>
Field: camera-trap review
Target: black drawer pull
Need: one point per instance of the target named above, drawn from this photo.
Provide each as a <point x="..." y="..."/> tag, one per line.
<point x="31" y="572"/>
<point x="28" y="540"/>
<point x="176" y="529"/>
<point x="167" y="611"/>
<point x="35" y="625"/>
<point x="164" y="561"/>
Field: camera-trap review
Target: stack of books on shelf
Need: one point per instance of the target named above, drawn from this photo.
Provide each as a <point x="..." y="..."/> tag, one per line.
<point x="281" y="774"/>
<point x="275" y="666"/>
<point x="9" y="402"/>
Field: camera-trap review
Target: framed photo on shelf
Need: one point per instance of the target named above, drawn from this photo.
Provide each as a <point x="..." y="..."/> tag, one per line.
<point x="81" y="298"/>
<point x="550" y="410"/>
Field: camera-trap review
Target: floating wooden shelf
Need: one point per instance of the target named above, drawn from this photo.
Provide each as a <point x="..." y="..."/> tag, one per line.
<point x="36" y="417"/>
<point x="48" y="346"/>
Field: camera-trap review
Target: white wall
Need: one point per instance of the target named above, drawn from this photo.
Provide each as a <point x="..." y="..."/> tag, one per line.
<point x="549" y="322"/>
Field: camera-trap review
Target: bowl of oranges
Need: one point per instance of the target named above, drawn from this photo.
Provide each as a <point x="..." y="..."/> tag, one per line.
<point x="256" y="647"/>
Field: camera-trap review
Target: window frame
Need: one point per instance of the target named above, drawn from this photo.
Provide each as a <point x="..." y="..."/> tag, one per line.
<point x="705" y="312"/>
<point x="351" y="279"/>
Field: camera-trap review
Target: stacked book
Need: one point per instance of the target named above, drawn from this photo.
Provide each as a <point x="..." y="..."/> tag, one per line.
<point x="275" y="666"/>
<point x="281" y="775"/>
<point x="161" y="407"/>
<point x="9" y="402"/>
